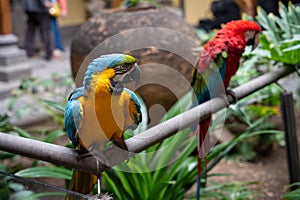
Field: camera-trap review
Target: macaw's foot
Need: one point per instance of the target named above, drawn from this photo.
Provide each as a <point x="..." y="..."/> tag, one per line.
<point x="233" y="95"/>
<point x="82" y="154"/>
<point x="120" y="143"/>
<point x="229" y="93"/>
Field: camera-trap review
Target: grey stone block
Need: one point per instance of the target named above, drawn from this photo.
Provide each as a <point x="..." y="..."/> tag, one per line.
<point x="10" y="53"/>
<point x="15" y="72"/>
<point x="6" y="88"/>
<point x="12" y="58"/>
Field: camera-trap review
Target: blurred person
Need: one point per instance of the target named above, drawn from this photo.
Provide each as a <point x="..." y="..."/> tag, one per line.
<point x="58" y="44"/>
<point x="226" y="10"/>
<point x="223" y="11"/>
<point x="38" y="17"/>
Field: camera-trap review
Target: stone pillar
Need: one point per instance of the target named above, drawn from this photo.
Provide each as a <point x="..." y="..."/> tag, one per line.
<point x="13" y="65"/>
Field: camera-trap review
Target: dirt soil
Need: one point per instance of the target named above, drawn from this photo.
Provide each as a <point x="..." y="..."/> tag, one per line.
<point x="271" y="170"/>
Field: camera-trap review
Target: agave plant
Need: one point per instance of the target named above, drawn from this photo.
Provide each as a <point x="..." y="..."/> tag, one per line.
<point x="281" y="35"/>
<point x="292" y="195"/>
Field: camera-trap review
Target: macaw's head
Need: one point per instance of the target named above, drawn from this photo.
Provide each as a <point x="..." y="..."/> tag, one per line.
<point x="125" y="71"/>
<point x="119" y="69"/>
<point x="248" y="29"/>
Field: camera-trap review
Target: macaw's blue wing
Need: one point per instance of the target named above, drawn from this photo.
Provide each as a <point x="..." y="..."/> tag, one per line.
<point x="135" y="112"/>
<point x="73" y="115"/>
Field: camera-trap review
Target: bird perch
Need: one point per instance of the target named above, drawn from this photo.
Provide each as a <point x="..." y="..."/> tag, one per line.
<point x="64" y="156"/>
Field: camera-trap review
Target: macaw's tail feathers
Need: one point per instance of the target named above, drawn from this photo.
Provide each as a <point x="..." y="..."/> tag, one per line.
<point x="81" y="182"/>
<point x="203" y="148"/>
<point x="203" y="138"/>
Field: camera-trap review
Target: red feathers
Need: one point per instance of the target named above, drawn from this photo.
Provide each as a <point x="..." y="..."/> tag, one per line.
<point x="229" y="39"/>
<point x="241" y="26"/>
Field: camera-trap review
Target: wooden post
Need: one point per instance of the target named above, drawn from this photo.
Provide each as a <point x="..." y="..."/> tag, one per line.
<point x="12" y="59"/>
<point x="288" y="115"/>
<point x="5" y="18"/>
<point x="247" y="6"/>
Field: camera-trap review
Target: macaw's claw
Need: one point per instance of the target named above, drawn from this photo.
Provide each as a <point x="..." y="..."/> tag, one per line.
<point x="230" y="93"/>
<point x="83" y="154"/>
<point x="233" y="95"/>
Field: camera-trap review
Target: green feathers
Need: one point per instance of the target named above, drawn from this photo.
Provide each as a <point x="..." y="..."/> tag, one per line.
<point x="207" y="83"/>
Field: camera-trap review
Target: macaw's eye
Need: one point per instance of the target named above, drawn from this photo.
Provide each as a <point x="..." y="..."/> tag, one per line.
<point x="121" y="69"/>
<point x="125" y="67"/>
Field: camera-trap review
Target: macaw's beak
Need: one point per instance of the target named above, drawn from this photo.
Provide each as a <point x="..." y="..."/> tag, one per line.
<point x="253" y="42"/>
<point x="256" y="41"/>
<point x="133" y="75"/>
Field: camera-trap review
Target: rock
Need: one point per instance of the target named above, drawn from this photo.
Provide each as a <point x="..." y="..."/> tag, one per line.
<point x="160" y="40"/>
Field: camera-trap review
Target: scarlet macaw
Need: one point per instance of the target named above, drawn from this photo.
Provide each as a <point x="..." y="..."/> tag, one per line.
<point x="101" y="110"/>
<point x="218" y="62"/>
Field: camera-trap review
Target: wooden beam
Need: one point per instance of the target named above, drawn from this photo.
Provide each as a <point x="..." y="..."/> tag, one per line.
<point x="5" y="17"/>
<point x="288" y="116"/>
<point x="67" y="157"/>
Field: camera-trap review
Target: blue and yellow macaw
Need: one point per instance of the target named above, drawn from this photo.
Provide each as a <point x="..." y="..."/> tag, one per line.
<point x="101" y="110"/>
